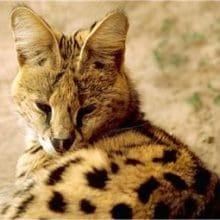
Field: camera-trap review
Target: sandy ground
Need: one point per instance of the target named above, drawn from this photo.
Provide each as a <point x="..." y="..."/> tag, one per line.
<point x="173" y="53"/>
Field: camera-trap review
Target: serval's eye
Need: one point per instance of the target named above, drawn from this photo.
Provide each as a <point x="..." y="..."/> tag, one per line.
<point x="44" y="108"/>
<point x="82" y="112"/>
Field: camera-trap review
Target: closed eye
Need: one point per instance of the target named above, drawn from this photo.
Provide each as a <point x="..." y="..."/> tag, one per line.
<point x="46" y="109"/>
<point x="82" y="112"/>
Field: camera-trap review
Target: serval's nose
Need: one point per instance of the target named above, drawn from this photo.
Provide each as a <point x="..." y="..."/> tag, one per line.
<point x="62" y="145"/>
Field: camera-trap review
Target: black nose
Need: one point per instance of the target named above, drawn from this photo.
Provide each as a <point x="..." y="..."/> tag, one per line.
<point x="62" y="145"/>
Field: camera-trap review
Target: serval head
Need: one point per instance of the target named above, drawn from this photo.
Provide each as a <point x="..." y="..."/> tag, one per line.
<point x="74" y="88"/>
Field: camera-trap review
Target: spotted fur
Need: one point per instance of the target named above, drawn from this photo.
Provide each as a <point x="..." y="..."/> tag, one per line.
<point x="109" y="161"/>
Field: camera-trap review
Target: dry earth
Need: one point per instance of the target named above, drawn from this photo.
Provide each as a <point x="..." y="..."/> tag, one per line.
<point x="173" y="54"/>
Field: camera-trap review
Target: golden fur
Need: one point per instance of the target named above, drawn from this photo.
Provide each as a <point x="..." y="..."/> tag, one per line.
<point x="116" y="165"/>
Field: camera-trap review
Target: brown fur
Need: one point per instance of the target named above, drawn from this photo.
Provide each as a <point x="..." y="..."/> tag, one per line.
<point x="128" y="168"/>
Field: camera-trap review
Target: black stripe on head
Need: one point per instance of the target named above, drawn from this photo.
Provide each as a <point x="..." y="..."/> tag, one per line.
<point x="58" y="78"/>
<point x="176" y="181"/>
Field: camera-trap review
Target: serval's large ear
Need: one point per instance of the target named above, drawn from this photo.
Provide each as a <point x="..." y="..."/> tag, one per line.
<point x="107" y="39"/>
<point x="35" y="41"/>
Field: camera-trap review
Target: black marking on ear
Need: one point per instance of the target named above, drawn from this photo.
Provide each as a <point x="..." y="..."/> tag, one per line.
<point x="202" y="179"/>
<point x="97" y="178"/>
<point x="57" y="203"/>
<point x="93" y="25"/>
<point x="146" y="189"/>
<point x="99" y="65"/>
<point x="176" y="181"/>
<point x="168" y="157"/>
<point x="133" y="162"/>
<point x="161" y="211"/>
<point x="23" y="207"/>
<point x="87" y="207"/>
<point x="114" y="167"/>
<point x="121" y="211"/>
<point x="76" y="44"/>
<point x="190" y="206"/>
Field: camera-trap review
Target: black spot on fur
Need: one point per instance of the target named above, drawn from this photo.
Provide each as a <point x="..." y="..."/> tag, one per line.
<point x="202" y="179"/>
<point x="121" y="211"/>
<point x="76" y="160"/>
<point x="176" y="181"/>
<point x="133" y="162"/>
<point x="87" y="207"/>
<point x="97" y="178"/>
<point x="146" y="188"/>
<point x="56" y="175"/>
<point x="57" y="203"/>
<point x="161" y="211"/>
<point x="212" y="209"/>
<point x="168" y="157"/>
<point x="99" y="65"/>
<point x="23" y="206"/>
<point x="190" y="206"/>
<point x="114" y="167"/>
<point x="216" y="201"/>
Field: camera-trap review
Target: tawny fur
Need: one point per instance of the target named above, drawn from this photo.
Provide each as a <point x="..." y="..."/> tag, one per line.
<point x="119" y="165"/>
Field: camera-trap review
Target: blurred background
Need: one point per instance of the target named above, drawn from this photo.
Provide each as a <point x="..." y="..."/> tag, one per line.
<point x="173" y="54"/>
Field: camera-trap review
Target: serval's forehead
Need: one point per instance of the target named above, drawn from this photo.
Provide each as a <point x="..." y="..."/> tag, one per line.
<point x="70" y="47"/>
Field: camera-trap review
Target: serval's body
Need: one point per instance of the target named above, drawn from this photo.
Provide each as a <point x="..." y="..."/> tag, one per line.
<point x="110" y="163"/>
